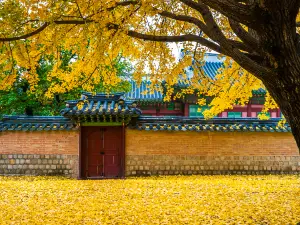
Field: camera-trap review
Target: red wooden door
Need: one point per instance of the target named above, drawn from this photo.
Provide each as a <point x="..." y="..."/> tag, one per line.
<point x="94" y="156"/>
<point x="101" y="152"/>
<point x="112" y="145"/>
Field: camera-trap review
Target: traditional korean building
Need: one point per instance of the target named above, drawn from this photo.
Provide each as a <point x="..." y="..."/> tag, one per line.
<point x="124" y="134"/>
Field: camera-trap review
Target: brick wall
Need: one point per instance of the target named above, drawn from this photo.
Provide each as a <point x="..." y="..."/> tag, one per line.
<point x="39" y="164"/>
<point x="150" y="152"/>
<point x="39" y="142"/>
<point x="39" y="153"/>
<point x="209" y="143"/>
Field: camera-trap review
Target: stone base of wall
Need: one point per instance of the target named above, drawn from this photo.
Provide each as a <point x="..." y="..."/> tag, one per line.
<point x="141" y="165"/>
<point x="33" y="164"/>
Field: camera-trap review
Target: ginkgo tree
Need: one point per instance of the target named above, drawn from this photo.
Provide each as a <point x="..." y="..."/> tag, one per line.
<point x="19" y="100"/>
<point x="260" y="39"/>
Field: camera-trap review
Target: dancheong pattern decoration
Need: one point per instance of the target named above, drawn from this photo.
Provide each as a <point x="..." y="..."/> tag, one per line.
<point x="101" y="108"/>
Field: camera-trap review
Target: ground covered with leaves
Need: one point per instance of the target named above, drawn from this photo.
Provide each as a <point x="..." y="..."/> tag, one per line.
<point x="152" y="200"/>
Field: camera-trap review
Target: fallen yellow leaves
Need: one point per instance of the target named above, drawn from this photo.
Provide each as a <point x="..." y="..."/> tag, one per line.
<point x="152" y="200"/>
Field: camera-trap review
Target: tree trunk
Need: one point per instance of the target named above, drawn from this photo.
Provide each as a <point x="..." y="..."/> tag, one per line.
<point x="279" y="40"/>
<point x="292" y="112"/>
<point x="288" y="100"/>
<point x="285" y="89"/>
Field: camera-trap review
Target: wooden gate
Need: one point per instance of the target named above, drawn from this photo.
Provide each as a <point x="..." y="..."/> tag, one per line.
<point x="102" y="152"/>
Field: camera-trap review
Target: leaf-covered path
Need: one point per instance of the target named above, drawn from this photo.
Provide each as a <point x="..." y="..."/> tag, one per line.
<point x="153" y="200"/>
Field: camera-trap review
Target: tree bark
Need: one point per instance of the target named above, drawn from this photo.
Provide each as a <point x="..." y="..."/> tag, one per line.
<point x="287" y="96"/>
<point x="278" y="39"/>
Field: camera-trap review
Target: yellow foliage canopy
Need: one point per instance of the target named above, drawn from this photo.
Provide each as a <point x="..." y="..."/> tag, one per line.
<point x="97" y="31"/>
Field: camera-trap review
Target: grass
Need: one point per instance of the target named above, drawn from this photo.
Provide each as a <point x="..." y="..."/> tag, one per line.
<point x="152" y="200"/>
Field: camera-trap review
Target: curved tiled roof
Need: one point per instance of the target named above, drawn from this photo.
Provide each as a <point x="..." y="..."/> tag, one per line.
<point x="211" y="68"/>
<point x="95" y="108"/>
<point x="138" y="92"/>
<point x="142" y="92"/>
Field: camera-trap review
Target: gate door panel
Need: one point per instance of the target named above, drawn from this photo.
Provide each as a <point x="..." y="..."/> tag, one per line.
<point x="112" y="146"/>
<point x="101" y="152"/>
<point x="95" y="159"/>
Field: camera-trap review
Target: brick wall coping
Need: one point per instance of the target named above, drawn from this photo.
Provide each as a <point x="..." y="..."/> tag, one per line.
<point x="177" y="123"/>
<point x="36" y="123"/>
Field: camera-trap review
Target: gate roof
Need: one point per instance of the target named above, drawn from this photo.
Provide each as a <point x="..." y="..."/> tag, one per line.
<point x="101" y="107"/>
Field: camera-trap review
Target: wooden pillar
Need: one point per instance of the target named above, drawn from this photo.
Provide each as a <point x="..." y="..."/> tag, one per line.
<point x="278" y="112"/>
<point x="186" y="109"/>
<point x="79" y="156"/>
<point x="157" y="111"/>
<point x="249" y="109"/>
<point x="123" y="161"/>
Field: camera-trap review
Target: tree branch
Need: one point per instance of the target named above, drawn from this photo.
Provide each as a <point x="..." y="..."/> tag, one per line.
<point x="185" y="18"/>
<point x="240" y="45"/>
<point x="213" y="31"/>
<point x="229" y="8"/>
<point x="234" y="10"/>
<point x="77" y="22"/>
<point x="229" y="47"/>
<point x="298" y="43"/>
<point x="245" y="36"/>
<point x="79" y="11"/>
<point x="203" y="28"/>
<point x="43" y="27"/>
<point x="124" y="3"/>
<point x="219" y="42"/>
<point x="251" y="63"/>
<point x="84" y="21"/>
<point x="180" y="38"/>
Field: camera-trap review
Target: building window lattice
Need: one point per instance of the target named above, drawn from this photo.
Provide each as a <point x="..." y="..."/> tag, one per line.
<point x="194" y="112"/>
<point x="234" y="114"/>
